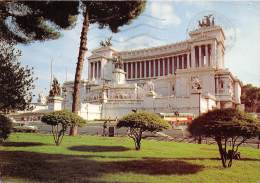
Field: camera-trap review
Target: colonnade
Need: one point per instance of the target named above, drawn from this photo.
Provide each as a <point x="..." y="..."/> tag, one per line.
<point x="200" y="56"/>
<point x="95" y="70"/>
<point x="203" y="55"/>
<point x="156" y="67"/>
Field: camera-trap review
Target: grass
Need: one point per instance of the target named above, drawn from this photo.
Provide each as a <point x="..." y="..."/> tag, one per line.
<point x="33" y="158"/>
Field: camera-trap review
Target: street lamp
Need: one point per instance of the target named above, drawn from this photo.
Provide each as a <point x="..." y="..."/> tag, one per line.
<point x="199" y="88"/>
<point x="199" y="92"/>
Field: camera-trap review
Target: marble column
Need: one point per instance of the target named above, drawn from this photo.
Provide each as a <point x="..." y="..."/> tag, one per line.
<point x="97" y="69"/>
<point x="207" y="55"/>
<point x="163" y="65"/>
<point x="213" y="55"/>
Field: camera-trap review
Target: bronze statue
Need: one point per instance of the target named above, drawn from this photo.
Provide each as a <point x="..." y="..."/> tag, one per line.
<point x="118" y="62"/>
<point x="207" y="21"/>
<point x="56" y="89"/>
<point x="106" y="42"/>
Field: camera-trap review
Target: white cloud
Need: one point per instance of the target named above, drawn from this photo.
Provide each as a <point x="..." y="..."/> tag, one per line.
<point x="165" y="10"/>
<point x="138" y="42"/>
<point x="244" y="57"/>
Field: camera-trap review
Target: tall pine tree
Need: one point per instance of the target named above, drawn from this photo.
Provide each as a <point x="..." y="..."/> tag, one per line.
<point x="16" y="81"/>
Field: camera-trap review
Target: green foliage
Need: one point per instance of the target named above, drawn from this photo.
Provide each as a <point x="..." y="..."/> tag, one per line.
<point x="27" y="21"/>
<point x="146" y="121"/>
<point x="60" y="121"/>
<point x="5" y="127"/>
<point x="226" y="126"/>
<point x="250" y="96"/>
<point x="63" y="117"/>
<point x="226" y="123"/>
<point x="139" y="122"/>
<point x="16" y="81"/>
<point x="113" y="13"/>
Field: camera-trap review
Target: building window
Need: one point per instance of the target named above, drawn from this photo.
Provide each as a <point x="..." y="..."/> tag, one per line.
<point x="170" y="64"/>
<point x="152" y="68"/>
<point x="197" y="56"/>
<point x="147" y="68"/>
<point x="180" y="62"/>
<point x="156" y="67"/>
<point x="129" y="70"/>
<point x="166" y="66"/>
<point x="138" y="69"/>
<point x="185" y="61"/>
<point x="142" y="75"/>
<point x="161" y="67"/>
<point x="134" y="74"/>
<point x="175" y="63"/>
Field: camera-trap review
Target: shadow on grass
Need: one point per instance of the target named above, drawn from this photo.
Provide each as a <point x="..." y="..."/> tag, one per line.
<point x="21" y="144"/>
<point x="40" y="167"/>
<point x="99" y="148"/>
<point x="200" y="158"/>
<point x="154" y="167"/>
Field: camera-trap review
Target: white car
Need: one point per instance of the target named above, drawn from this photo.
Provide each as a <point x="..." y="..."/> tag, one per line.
<point x="22" y="127"/>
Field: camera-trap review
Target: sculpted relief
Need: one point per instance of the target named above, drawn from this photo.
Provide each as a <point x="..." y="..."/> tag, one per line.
<point x="196" y="83"/>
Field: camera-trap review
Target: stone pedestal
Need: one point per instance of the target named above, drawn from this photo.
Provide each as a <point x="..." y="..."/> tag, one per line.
<point x="118" y="76"/>
<point x="55" y="103"/>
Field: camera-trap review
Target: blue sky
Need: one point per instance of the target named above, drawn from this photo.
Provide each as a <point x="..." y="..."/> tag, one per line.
<point x="162" y="22"/>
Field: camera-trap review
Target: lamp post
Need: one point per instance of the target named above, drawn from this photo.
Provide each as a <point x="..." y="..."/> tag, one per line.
<point x="199" y="88"/>
<point x="64" y="90"/>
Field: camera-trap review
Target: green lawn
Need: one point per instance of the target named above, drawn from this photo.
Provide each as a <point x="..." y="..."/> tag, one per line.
<point x="34" y="158"/>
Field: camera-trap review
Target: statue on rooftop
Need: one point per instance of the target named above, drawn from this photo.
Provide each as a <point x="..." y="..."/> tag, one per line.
<point x="56" y="89"/>
<point x="207" y="21"/>
<point x="106" y="42"/>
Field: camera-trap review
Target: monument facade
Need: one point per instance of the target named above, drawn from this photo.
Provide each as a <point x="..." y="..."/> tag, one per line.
<point x="187" y="77"/>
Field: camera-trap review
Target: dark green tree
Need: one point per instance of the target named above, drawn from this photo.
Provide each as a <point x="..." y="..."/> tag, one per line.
<point x="60" y="121"/>
<point x="5" y="127"/>
<point x="250" y="96"/>
<point x="16" y="81"/>
<point x="28" y="21"/>
<point x="112" y="14"/>
<point x="228" y="127"/>
<point x="139" y="122"/>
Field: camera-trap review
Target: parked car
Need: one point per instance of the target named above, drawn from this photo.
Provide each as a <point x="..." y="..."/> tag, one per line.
<point x="22" y="127"/>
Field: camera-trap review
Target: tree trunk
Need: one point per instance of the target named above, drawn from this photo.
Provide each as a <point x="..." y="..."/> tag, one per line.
<point x="199" y="140"/>
<point x="138" y="141"/>
<point x="82" y="52"/>
<point x="222" y="153"/>
<point x="137" y="144"/>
